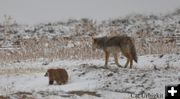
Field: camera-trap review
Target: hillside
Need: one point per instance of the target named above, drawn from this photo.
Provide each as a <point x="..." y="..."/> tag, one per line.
<point x="27" y="51"/>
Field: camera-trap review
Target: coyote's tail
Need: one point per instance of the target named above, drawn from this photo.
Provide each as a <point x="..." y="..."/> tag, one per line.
<point x="133" y="51"/>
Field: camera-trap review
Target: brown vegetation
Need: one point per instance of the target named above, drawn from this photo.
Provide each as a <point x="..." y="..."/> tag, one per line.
<point x="78" y="48"/>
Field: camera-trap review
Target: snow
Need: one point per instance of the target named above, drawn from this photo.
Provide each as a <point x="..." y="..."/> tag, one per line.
<point x="149" y="75"/>
<point x="21" y="79"/>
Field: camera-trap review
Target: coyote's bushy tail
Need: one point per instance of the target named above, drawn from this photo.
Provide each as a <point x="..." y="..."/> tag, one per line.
<point x="133" y="51"/>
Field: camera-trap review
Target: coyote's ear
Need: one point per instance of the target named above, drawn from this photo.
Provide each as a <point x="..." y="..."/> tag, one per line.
<point x="93" y="38"/>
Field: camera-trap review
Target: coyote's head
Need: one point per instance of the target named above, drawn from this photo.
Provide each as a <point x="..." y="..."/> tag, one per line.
<point x="97" y="43"/>
<point x="94" y="43"/>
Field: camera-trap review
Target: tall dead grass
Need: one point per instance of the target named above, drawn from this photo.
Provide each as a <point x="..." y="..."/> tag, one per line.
<point x="77" y="48"/>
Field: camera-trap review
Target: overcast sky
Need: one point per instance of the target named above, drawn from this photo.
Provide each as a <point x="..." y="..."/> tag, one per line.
<point x="35" y="11"/>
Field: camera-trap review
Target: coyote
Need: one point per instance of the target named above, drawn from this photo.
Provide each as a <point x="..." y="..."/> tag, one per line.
<point x="114" y="45"/>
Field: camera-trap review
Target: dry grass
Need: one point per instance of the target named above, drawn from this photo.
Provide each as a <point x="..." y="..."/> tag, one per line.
<point x="77" y="48"/>
<point x="4" y="97"/>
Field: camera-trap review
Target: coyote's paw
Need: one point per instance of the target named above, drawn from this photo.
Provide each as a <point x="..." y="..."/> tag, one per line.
<point x="104" y="67"/>
<point x="120" y="66"/>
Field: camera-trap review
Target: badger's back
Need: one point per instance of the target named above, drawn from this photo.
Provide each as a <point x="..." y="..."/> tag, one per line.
<point x="63" y="75"/>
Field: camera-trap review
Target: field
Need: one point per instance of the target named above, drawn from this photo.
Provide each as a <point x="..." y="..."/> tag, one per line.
<point x="28" y="51"/>
<point x="25" y="79"/>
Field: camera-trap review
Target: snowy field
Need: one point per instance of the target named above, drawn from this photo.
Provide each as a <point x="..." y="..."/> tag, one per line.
<point x="25" y="79"/>
<point x="27" y="51"/>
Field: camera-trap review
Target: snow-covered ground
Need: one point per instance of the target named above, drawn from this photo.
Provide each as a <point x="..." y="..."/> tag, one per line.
<point x="25" y="79"/>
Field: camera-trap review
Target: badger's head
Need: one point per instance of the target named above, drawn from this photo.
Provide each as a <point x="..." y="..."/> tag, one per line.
<point x="46" y="74"/>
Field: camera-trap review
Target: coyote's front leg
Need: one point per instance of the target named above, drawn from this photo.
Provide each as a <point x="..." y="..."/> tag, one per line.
<point x="106" y="58"/>
<point x="116" y="59"/>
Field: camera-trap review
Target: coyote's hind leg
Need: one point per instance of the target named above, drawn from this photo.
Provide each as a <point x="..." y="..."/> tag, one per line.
<point x="116" y="60"/>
